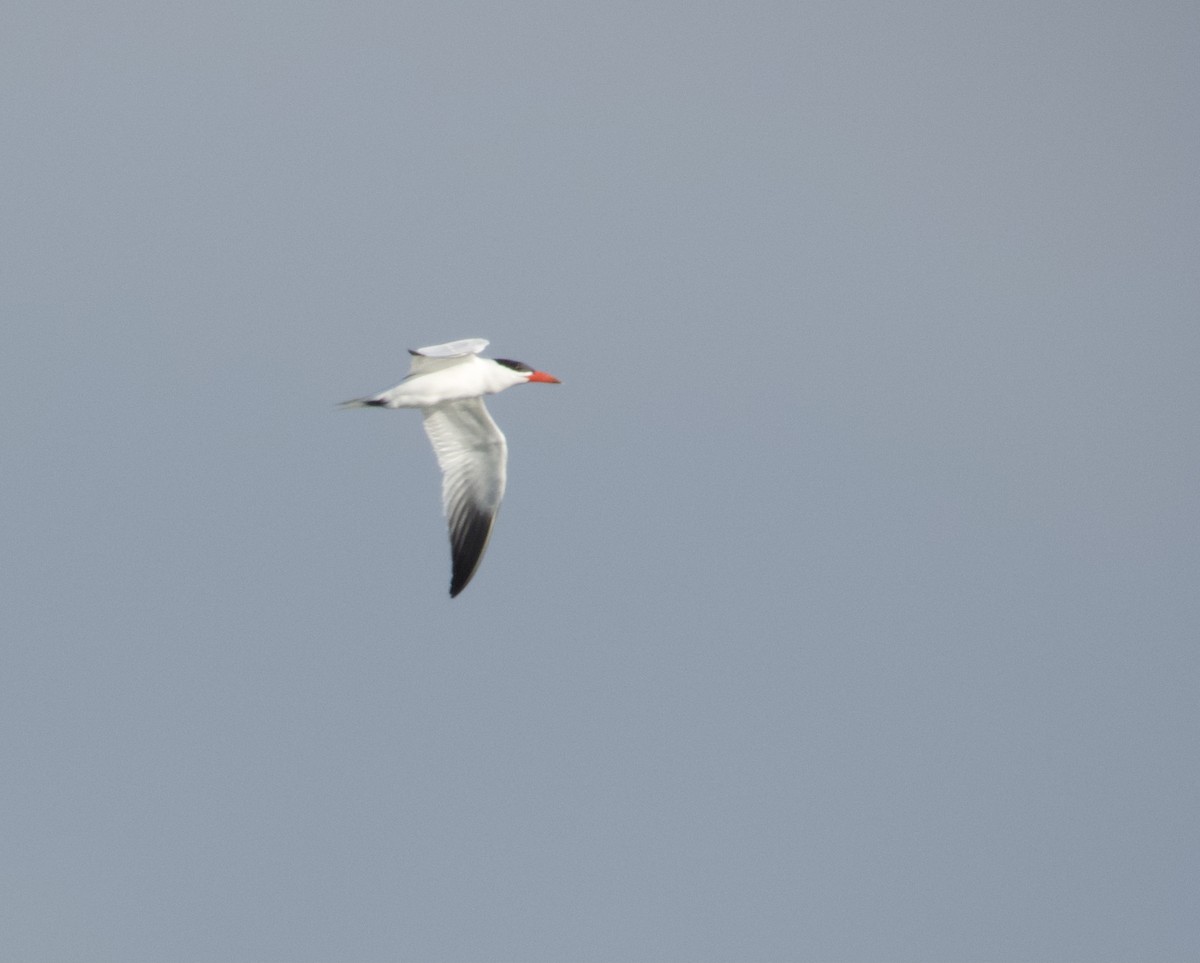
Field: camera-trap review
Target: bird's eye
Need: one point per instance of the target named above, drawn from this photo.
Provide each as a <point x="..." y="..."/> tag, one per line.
<point x="515" y="365"/>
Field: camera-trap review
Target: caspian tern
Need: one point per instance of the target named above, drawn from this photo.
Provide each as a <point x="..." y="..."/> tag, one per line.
<point x="448" y="382"/>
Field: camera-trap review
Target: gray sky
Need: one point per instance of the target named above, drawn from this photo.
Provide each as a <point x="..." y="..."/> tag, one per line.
<point x="844" y="601"/>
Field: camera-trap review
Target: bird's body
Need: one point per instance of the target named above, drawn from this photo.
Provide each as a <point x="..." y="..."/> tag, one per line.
<point x="448" y="382"/>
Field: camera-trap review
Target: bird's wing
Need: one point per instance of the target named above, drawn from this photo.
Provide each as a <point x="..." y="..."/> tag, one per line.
<point x="472" y="454"/>
<point x="438" y="356"/>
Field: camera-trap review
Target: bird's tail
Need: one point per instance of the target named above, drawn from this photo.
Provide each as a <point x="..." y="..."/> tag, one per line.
<point x="362" y="403"/>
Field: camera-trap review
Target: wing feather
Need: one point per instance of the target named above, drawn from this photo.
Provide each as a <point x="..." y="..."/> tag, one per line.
<point x="444" y="355"/>
<point x="472" y="454"/>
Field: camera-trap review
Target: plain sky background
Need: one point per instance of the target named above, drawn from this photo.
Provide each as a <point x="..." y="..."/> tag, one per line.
<point x="846" y="598"/>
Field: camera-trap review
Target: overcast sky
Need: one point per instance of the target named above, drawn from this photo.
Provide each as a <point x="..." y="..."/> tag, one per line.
<point x="846" y="597"/>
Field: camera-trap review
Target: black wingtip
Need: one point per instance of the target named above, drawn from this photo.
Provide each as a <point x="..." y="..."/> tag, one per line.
<point x="461" y="577"/>
<point x="468" y="541"/>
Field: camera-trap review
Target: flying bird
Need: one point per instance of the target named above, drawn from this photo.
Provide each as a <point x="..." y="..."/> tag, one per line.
<point x="448" y="382"/>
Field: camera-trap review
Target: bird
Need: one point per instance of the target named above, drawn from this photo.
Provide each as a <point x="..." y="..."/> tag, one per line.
<point x="448" y="382"/>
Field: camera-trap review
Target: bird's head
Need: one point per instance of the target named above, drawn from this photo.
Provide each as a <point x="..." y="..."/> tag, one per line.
<point x="527" y="373"/>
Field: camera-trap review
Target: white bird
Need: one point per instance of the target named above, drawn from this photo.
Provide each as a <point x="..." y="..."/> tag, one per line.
<point x="448" y="382"/>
